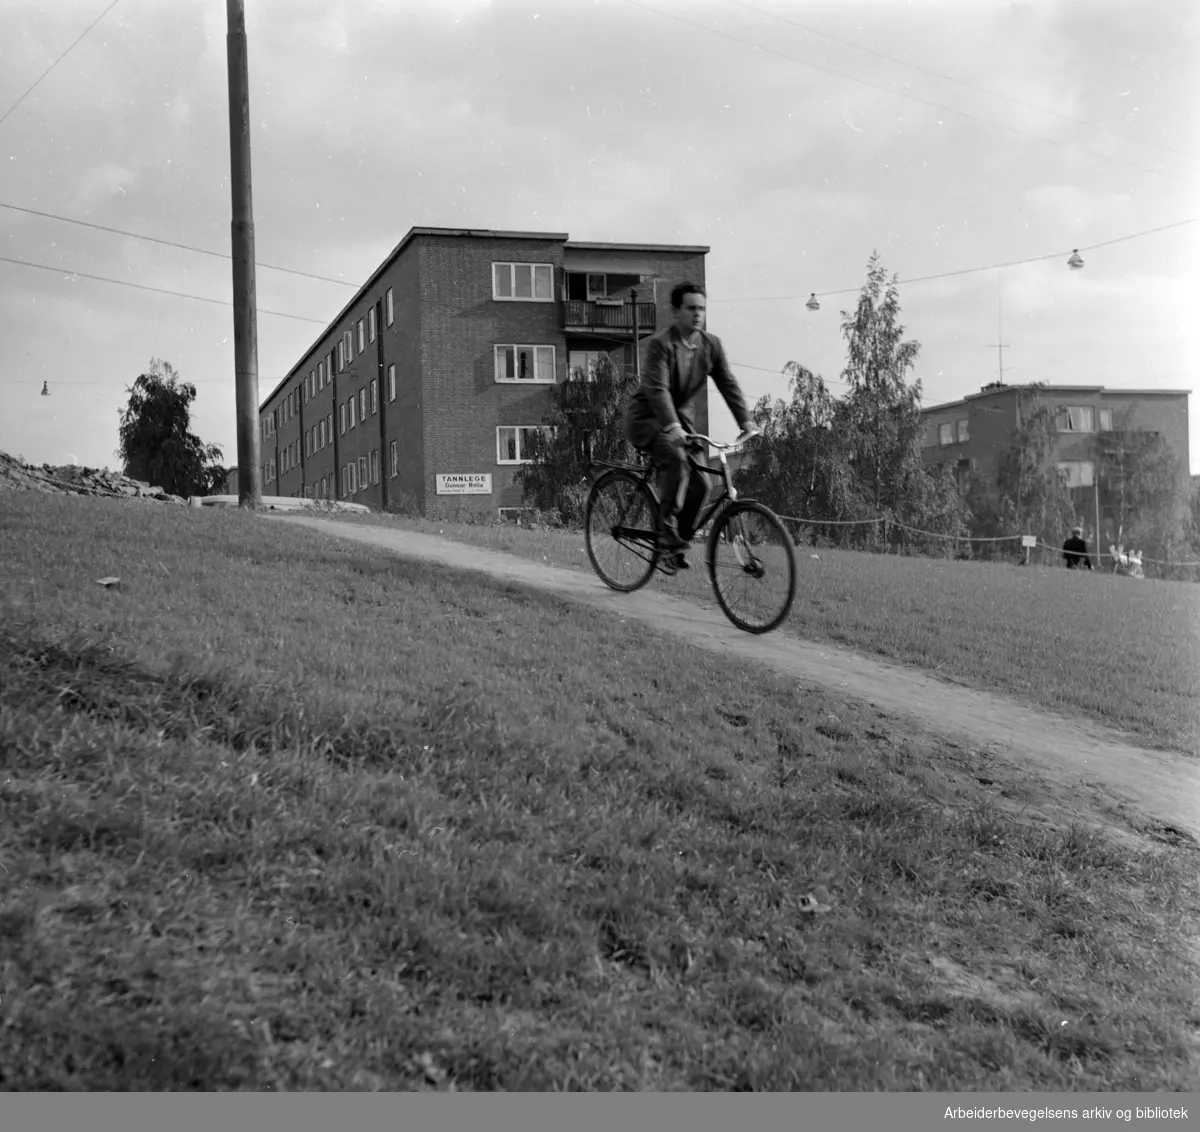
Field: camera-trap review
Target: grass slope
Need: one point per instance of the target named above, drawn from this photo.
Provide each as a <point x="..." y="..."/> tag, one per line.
<point x="288" y="814"/>
<point x="1119" y="651"/>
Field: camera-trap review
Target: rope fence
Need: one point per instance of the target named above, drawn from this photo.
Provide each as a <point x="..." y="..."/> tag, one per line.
<point x="889" y="525"/>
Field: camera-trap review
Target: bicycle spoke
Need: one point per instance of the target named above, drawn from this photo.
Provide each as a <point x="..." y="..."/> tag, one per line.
<point x="752" y="566"/>
<point x="621" y="531"/>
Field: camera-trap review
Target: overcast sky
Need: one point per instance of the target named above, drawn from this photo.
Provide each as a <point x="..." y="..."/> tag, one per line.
<point x="793" y="138"/>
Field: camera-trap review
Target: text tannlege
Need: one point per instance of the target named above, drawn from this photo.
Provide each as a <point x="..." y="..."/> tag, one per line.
<point x="1149" y="1113"/>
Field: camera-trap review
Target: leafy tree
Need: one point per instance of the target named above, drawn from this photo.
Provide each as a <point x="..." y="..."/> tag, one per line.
<point x="1141" y="487"/>
<point x="881" y="413"/>
<point x="590" y="405"/>
<point x="797" y="464"/>
<point x="156" y="445"/>
<point x="1032" y="493"/>
<point x="860" y="457"/>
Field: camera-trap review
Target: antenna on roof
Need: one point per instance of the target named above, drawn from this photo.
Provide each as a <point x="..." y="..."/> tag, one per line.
<point x="1001" y="345"/>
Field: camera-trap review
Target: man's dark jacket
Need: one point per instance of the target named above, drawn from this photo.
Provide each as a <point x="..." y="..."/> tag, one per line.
<point x="1075" y="552"/>
<point x="669" y="386"/>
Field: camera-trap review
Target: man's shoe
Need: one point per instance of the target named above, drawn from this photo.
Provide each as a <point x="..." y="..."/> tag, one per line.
<point x="672" y="561"/>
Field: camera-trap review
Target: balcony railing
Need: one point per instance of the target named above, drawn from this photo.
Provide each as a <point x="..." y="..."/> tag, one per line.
<point x="582" y="314"/>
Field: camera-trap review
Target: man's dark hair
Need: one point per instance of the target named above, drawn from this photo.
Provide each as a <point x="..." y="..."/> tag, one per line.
<point x="681" y="289"/>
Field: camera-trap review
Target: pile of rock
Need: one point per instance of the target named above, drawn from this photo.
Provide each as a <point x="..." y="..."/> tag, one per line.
<point x="74" y="480"/>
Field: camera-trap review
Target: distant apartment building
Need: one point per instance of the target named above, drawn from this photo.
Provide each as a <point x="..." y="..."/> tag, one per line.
<point x="971" y="434"/>
<point x="429" y="387"/>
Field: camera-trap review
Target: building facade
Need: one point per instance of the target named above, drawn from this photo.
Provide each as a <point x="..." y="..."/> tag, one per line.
<point x="971" y="435"/>
<point x="426" y="391"/>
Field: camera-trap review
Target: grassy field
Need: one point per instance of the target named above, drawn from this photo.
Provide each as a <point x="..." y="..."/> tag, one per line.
<point x="284" y="813"/>
<point x="1123" y="652"/>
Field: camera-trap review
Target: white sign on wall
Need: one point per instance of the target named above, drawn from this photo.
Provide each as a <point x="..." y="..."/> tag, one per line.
<point x="465" y="483"/>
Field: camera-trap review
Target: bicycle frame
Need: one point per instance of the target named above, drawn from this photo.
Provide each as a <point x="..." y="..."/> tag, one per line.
<point x="647" y="468"/>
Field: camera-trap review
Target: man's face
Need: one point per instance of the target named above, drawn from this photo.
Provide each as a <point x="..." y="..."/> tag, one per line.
<point x="690" y="314"/>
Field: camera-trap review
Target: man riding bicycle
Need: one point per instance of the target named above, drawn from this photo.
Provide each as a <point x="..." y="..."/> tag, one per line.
<point x="679" y="360"/>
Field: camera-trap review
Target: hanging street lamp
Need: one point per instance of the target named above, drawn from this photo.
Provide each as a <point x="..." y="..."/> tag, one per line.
<point x="812" y="303"/>
<point x="1076" y="260"/>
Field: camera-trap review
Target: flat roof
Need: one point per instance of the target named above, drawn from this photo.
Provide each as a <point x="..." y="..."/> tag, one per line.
<point x="1058" y="389"/>
<point x="581" y="245"/>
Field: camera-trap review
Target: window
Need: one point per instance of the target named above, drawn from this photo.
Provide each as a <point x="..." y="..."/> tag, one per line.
<point x="1075" y="419"/>
<point x="394" y="459"/>
<point x="351" y="404"/>
<point x="341" y="351"/>
<point x="321" y="433"/>
<point x="310" y="390"/>
<point x="391" y="383"/>
<point x="353" y="470"/>
<point x="389" y="307"/>
<point x="516" y="445"/>
<point x="320" y="376"/>
<point x="1078" y="473"/>
<point x="362" y="404"/>
<point x="306" y="451"/>
<point x="1106" y="420"/>
<point x="329" y="427"/>
<point x="374" y="396"/>
<point x="348" y="338"/>
<point x="963" y="434"/>
<point x="312" y="440"/>
<point x="597" y="286"/>
<point x="946" y="433"/>
<point x="374" y="465"/>
<point x="362" y="336"/>
<point x="342" y="418"/>
<point x="525" y="363"/>
<point x="523" y="282"/>
<point x="371" y="325"/>
<point x="581" y="364"/>
<point x="362" y="472"/>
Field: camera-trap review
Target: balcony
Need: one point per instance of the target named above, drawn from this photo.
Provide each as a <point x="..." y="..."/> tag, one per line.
<point x="585" y="314"/>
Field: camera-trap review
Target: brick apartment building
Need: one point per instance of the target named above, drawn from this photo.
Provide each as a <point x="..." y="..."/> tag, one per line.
<point x="425" y="389"/>
<point x="970" y="434"/>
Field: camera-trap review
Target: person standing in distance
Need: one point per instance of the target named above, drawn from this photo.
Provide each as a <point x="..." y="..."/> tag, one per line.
<point x="1075" y="551"/>
<point x="679" y="361"/>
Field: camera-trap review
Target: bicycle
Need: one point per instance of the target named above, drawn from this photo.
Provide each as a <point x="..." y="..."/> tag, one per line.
<point x="746" y="545"/>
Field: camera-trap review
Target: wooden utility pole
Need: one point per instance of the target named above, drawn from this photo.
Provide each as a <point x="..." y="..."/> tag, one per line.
<point x="245" y="308"/>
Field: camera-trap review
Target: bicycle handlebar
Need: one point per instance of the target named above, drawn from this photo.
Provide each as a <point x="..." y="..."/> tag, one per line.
<point x="712" y="443"/>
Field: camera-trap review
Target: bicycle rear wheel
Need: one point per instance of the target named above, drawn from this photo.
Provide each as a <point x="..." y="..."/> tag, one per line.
<point x="752" y="566"/>
<point x="621" y="531"/>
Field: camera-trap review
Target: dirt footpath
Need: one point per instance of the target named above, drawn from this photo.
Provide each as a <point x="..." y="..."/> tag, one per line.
<point x="1084" y="758"/>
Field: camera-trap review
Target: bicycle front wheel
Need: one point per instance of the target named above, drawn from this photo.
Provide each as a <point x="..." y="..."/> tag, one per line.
<point x="620" y="530"/>
<point x="752" y="566"/>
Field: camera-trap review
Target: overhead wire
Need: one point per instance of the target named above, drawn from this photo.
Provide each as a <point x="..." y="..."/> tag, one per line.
<point x="902" y="94"/>
<point x="29" y="91"/>
<point x="963" y="271"/>
<point x="958" y="82"/>
<point x="147" y="287"/>
<point x="171" y="243"/>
